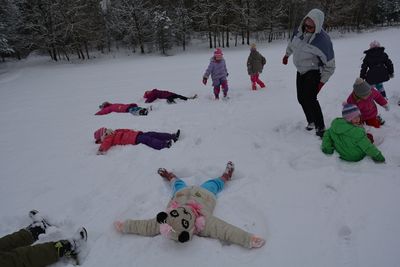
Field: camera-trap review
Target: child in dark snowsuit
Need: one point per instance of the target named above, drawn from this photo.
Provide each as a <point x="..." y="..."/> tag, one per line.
<point x="16" y="249"/>
<point x="132" y="108"/>
<point x="190" y="212"/>
<point x="255" y="65"/>
<point x="376" y="67"/>
<point x="170" y="96"/>
<point x="348" y="137"/>
<point x="219" y="73"/>
<point x="108" y="138"/>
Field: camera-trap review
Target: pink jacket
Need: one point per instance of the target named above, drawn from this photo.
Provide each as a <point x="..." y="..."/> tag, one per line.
<point x="115" y="108"/>
<point x="119" y="137"/>
<point x="367" y="106"/>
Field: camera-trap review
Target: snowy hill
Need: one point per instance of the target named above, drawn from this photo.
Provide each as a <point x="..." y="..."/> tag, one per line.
<point x="313" y="209"/>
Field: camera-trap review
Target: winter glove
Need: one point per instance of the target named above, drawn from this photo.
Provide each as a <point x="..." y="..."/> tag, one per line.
<point x="257" y="242"/>
<point x="204" y="81"/>
<point x="379" y="158"/>
<point x="328" y="151"/>
<point x="227" y="74"/>
<point x="285" y="60"/>
<point x="391" y="76"/>
<point x="386" y="107"/>
<point x="119" y="226"/>
<point x="320" y="86"/>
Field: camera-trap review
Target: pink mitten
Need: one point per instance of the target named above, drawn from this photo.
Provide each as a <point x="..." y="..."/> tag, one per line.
<point x="119" y="226"/>
<point x="257" y="242"/>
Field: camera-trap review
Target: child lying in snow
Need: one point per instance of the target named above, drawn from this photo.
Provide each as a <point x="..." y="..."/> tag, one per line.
<point x="132" y="108"/>
<point x="108" y="138"/>
<point x="190" y="212"/>
<point x="170" y="96"/>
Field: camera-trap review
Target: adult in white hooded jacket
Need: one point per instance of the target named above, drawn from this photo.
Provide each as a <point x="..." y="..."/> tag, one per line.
<point x="314" y="59"/>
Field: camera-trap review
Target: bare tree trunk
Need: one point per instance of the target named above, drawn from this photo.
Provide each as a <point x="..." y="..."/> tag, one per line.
<point x="87" y="49"/>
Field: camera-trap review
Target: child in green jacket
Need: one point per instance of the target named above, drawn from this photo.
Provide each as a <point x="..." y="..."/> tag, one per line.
<point x="348" y="137"/>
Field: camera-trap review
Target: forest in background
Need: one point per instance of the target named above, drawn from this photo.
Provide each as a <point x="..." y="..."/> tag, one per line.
<point x="64" y="29"/>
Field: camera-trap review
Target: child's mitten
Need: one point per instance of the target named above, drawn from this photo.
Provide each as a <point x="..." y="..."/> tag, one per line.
<point x="257" y="242"/>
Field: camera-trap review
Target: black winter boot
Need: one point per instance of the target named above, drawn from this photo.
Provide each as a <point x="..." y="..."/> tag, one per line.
<point x="38" y="225"/>
<point x="72" y="247"/>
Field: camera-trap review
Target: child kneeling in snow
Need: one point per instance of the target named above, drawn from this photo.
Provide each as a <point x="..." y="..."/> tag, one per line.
<point x="364" y="97"/>
<point x="108" y="138"/>
<point x="132" y="108"/>
<point x="189" y="212"/>
<point x="348" y="137"/>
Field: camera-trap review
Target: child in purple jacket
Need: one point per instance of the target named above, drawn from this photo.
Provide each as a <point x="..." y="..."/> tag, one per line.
<point x="154" y="94"/>
<point x="219" y="73"/>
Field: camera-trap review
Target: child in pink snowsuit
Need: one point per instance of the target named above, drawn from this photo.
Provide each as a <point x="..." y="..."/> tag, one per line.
<point x="109" y="137"/>
<point x="219" y="73"/>
<point x="364" y="97"/>
<point x="132" y="108"/>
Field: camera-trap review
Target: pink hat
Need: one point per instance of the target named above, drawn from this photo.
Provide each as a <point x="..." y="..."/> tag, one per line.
<point x="374" y="43"/>
<point x="218" y="52"/>
<point x="99" y="133"/>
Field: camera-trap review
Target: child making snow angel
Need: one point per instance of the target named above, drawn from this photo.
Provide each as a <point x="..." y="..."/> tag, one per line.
<point x="255" y="65"/>
<point x="170" y="96"/>
<point x="189" y="212"/>
<point x="219" y="73"/>
<point x="132" y="108"/>
<point x="108" y="138"/>
<point x="348" y="137"/>
<point x="364" y="97"/>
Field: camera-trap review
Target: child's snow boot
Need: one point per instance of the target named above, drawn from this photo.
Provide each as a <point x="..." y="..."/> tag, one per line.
<point x="143" y="111"/>
<point x="176" y="135"/>
<point x="38" y="225"/>
<point x="253" y="86"/>
<point x="166" y="174"/>
<point x="380" y="119"/>
<point x="227" y="175"/>
<point x="72" y="247"/>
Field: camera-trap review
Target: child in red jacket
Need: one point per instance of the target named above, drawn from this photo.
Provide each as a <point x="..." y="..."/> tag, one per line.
<point x="109" y="137"/>
<point x="364" y="97"/>
<point x="132" y="108"/>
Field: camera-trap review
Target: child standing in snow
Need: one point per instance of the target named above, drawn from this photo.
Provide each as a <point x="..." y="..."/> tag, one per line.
<point x="376" y="67"/>
<point x="348" y="137"/>
<point x="219" y="73"/>
<point x="364" y="97"/>
<point x="255" y="65"/>
<point x="170" y="96"/>
<point x="190" y="212"/>
<point x="132" y="108"/>
<point x="16" y="249"/>
<point x="108" y="138"/>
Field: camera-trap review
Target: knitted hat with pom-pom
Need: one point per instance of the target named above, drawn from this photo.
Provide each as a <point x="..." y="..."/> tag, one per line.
<point x="350" y="112"/>
<point x="361" y="88"/>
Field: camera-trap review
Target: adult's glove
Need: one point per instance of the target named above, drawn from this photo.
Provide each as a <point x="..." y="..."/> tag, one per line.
<point x="285" y="60"/>
<point x="204" y="81"/>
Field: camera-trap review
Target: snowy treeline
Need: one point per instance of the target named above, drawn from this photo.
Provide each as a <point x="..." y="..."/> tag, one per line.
<point x="65" y="27"/>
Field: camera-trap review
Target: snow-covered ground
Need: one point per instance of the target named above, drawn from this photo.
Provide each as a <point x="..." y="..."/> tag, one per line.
<point x="313" y="209"/>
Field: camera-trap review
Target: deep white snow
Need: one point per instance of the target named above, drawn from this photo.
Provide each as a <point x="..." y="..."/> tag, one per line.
<point x="313" y="209"/>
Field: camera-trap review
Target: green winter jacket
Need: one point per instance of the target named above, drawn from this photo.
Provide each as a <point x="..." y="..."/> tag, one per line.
<point x="255" y="63"/>
<point x="350" y="141"/>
